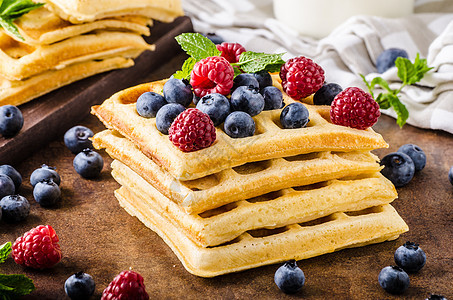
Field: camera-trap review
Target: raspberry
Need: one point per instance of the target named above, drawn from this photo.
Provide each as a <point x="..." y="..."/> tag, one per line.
<point x="192" y="130"/>
<point x="231" y="51"/>
<point x="301" y="77"/>
<point x="37" y="248"/>
<point x="212" y="75"/>
<point x="354" y="108"/>
<point x="126" y="285"/>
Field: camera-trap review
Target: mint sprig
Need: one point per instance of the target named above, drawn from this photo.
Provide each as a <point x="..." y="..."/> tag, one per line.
<point x="252" y="62"/>
<point x="10" y="10"/>
<point x="5" y="251"/>
<point x="409" y="73"/>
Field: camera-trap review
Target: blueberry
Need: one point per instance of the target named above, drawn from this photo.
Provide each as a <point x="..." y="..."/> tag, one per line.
<point x="79" y="286"/>
<point x="11" y="120"/>
<point x="264" y="78"/>
<point x="436" y="297"/>
<point x="47" y="192"/>
<point x="450" y="175"/>
<point x="43" y="173"/>
<point x="216" y="106"/>
<point x="178" y="91"/>
<point x="88" y="163"/>
<point x="166" y="115"/>
<point x="326" y="94"/>
<point x="398" y="168"/>
<point x="273" y="97"/>
<point x="247" y="99"/>
<point x="215" y="38"/>
<point x="13" y="174"/>
<point x="149" y="103"/>
<point x="289" y="278"/>
<point x="15" y="208"/>
<point x="6" y="186"/>
<point x="393" y="279"/>
<point x="295" y="115"/>
<point x="387" y="58"/>
<point x="410" y="257"/>
<point x="416" y="154"/>
<point x="239" y="124"/>
<point x="77" y="138"/>
<point x="245" y="79"/>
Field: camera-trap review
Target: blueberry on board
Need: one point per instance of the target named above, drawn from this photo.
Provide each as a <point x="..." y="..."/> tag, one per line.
<point x="216" y="39"/>
<point x="410" y="257"/>
<point x="416" y="154"/>
<point x="450" y="175"/>
<point x="44" y="173"/>
<point x="387" y="58"/>
<point x="6" y="186"/>
<point x="239" y="124"/>
<point x="88" y="163"/>
<point x="11" y="120"/>
<point x="247" y="99"/>
<point x="326" y="94"/>
<point x="166" y="115"/>
<point x="295" y="115"/>
<point x="13" y="174"/>
<point x="178" y="91"/>
<point x="245" y="79"/>
<point x="289" y="277"/>
<point x="149" y="103"/>
<point x="79" y="286"/>
<point x="393" y="279"/>
<point x="15" y="208"/>
<point x="273" y="98"/>
<point x="77" y="138"/>
<point x="216" y="106"/>
<point x="47" y="192"/>
<point x="264" y="78"/>
<point x="398" y="168"/>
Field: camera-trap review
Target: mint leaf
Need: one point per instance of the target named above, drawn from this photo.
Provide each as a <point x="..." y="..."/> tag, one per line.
<point x="401" y="110"/>
<point x="186" y="69"/>
<point x="15" y="285"/>
<point x="8" y="25"/>
<point x="409" y="72"/>
<point x="197" y="45"/>
<point x="5" y="251"/>
<point x="251" y="62"/>
<point x="13" y="9"/>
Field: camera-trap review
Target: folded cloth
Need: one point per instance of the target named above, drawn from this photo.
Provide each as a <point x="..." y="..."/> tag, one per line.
<point x="352" y="48"/>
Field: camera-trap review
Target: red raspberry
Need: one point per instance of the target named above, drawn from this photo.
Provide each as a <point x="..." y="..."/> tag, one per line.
<point x="355" y="108"/>
<point x="192" y="130"/>
<point x="126" y="285"/>
<point x="301" y="77"/>
<point x="231" y="51"/>
<point x="212" y="75"/>
<point x="37" y="248"/>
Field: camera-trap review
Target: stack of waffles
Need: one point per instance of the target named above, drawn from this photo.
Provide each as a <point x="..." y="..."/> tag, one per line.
<point x="242" y="203"/>
<point x="67" y="40"/>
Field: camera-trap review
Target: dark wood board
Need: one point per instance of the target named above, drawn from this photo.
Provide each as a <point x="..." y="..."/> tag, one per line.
<point x="52" y="114"/>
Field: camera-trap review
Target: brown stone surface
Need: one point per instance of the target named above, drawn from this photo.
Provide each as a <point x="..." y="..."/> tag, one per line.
<point x="100" y="238"/>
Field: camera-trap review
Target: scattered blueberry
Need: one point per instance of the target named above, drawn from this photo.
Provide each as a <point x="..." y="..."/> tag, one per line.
<point x="44" y="173"/>
<point x="77" y="138"/>
<point x="166" y="115"/>
<point x="387" y="58"/>
<point x="247" y="99"/>
<point x="88" y="163"/>
<point x="416" y="154"/>
<point x="393" y="279"/>
<point x="273" y="97"/>
<point x="149" y="103"/>
<point x="295" y="115"/>
<point x="436" y="297"/>
<point x="450" y="175"/>
<point x="47" y="192"/>
<point x="178" y="91"/>
<point x="216" y="106"/>
<point x="326" y="94"/>
<point x="11" y="120"/>
<point x="245" y="79"/>
<point x="289" y="278"/>
<point x="6" y="186"/>
<point x="215" y="38"/>
<point x="398" y="168"/>
<point x="79" y="286"/>
<point x="13" y="174"/>
<point x="410" y="257"/>
<point x="15" y="208"/>
<point x="239" y="124"/>
<point x="264" y="78"/>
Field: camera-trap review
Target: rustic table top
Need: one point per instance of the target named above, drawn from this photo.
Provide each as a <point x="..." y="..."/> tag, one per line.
<point x="100" y="238"/>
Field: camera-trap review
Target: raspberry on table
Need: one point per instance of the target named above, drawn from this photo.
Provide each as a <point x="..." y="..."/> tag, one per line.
<point x="212" y="75"/>
<point x="231" y="51"/>
<point x="37" y="248"/>
<point x="126" y="285"/>
<point x="354" y="108"/>
<point x="301" y="77"/>
<point x="192" y="130"/>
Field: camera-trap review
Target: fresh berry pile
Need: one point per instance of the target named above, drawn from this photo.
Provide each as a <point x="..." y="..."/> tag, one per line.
<point x="126" y="285"/>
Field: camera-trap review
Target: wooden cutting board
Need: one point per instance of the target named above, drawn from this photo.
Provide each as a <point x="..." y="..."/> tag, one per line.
<point x="49" y="116"/>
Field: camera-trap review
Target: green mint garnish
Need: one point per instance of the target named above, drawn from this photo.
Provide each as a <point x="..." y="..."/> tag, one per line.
<point x="5" y="251"/>
<point x="15" y="285"/>
<point x="197" y="45"/>
<point x="409" y="73"/>
<point x="187" y="67"/>
<point x="13" y="9"/>
<point x="252" y="62"/>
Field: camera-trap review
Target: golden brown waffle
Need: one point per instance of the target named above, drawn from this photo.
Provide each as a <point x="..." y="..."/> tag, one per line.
<point x="270" y="140"/>
<point x="241" y="182"/>
<point x="276" y="209"/>
<point x="19" y="60"/>
<point x="256" y="248"/>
